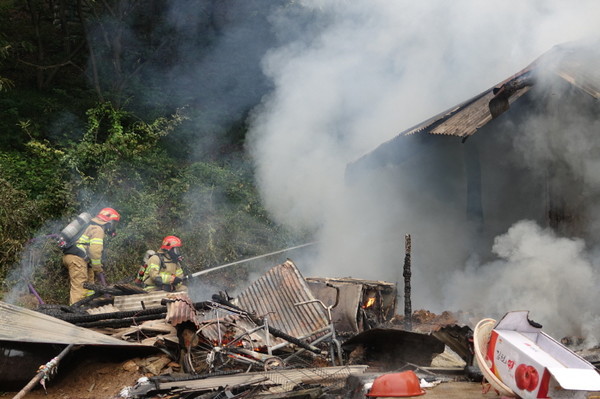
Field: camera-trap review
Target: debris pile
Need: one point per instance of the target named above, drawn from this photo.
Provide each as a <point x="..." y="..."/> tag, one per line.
<point x="282" y="336"/>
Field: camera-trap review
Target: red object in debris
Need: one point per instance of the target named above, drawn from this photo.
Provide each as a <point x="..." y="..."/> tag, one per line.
<point x="523" y="376"/>
<point x="404" y="384"/>
<point x="534" y="380"/>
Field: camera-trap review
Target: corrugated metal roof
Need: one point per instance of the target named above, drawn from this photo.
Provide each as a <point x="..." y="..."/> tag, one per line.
<point x="466" y="118"/>
<point x="275" y="294"/>
<point x="25" y="325"/>
<point x="572" y="63"/>
<point x="575" y="63"/>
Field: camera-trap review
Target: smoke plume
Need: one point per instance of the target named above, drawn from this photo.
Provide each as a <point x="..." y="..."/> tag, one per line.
<point x="357" y="74"/>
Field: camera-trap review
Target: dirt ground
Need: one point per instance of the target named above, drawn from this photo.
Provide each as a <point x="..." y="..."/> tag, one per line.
<point x="96" y="378"/>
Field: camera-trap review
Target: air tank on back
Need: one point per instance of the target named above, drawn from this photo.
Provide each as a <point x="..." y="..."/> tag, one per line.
<point x="72" y="230"/>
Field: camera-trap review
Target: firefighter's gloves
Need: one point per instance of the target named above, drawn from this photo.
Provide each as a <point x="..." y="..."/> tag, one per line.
<point x="175" y="280"/>
<point x="158" y="281"/>
<point x="98" y="268"/>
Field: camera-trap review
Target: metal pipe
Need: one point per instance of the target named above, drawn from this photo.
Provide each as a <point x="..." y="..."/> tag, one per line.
<point x="44" y="374"/>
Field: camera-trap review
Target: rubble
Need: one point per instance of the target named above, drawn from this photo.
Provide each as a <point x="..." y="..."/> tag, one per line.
<point x="283" y="336"/>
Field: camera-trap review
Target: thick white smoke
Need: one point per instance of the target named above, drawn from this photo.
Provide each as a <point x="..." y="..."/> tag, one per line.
<point x="359" y="73"/>
<point x="551" y="276"/>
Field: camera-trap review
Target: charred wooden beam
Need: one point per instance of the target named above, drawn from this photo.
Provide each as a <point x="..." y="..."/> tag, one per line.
<point x="407" y="275"/>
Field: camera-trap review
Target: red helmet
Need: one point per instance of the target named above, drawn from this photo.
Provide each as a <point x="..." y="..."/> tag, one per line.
<point x="170" y="242"/>
<point x="109" y="214"/>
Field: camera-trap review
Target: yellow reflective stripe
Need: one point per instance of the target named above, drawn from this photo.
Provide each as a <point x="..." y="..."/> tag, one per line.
<point x="89" y="292"/>
<point x="96" y="241"/>
<point x="84" y="239"/>
<point x="165" y="277"/>
<point x="152" y="266"/>
<point x="95" y="261"/>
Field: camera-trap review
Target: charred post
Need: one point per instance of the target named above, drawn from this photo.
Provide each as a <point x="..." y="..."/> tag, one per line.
<point x="407" y="275"/>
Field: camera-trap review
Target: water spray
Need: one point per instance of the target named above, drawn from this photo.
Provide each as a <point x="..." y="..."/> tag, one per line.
<point x="212" y="269"/>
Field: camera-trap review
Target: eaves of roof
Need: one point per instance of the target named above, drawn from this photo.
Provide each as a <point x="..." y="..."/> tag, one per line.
<point x="571" y="63"/>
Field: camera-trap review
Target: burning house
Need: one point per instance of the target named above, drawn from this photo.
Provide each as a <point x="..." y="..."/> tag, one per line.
<point x="534" y="155"/>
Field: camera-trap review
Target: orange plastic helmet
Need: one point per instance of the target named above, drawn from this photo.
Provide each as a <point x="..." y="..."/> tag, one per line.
<point x="404" y="384"/>
<point x="109" y="214"/>
<point x="170" y="242"/>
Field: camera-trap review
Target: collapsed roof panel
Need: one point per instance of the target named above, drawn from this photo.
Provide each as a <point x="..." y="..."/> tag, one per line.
<point x="24" y="325"/>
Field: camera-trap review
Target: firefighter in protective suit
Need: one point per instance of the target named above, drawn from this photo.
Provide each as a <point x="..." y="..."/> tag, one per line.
<point x="84" y="258"/>
<point x="164" y="270"/>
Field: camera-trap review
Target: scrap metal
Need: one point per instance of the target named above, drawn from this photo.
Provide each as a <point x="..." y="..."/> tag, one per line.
<point x="362" y="304"/>
<point x="273" y="381"/>
<point x="283" y="297"/>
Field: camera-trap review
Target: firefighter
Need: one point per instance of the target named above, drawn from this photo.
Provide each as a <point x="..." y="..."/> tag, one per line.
<point x="164" y="269"/>
<point x="83" y="259"/>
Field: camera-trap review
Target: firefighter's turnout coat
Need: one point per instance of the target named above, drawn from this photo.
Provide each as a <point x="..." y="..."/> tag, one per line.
<point x="162" y="266"/>
<point x="84" y="259"/>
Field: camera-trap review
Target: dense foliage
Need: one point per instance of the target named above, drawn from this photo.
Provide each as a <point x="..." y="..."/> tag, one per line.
<point x="87" y="122"/>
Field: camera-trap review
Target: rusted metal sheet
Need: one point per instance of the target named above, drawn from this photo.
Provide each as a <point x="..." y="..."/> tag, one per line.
<point x="180" y="308"/>
<point x="278" y="295"/>
<point x="362" y="304"/>
<point x="24" y="325"/>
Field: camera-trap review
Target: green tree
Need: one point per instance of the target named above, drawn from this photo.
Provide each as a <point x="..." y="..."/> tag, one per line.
<point x="5" y="83"/>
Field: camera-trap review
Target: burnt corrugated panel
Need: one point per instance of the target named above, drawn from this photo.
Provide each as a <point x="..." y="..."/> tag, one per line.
<point x="24" y="325"/>
<point x="275" y="296"/>
<point x="472" y="117"/>
<point x="139" y="301"/>
<point x="180" y="308"/>
<point x="435" y="120"/>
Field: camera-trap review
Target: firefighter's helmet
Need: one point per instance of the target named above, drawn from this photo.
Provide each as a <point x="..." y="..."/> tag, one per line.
<point x="170" y="242"/>
<point x="108" y="215"/>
